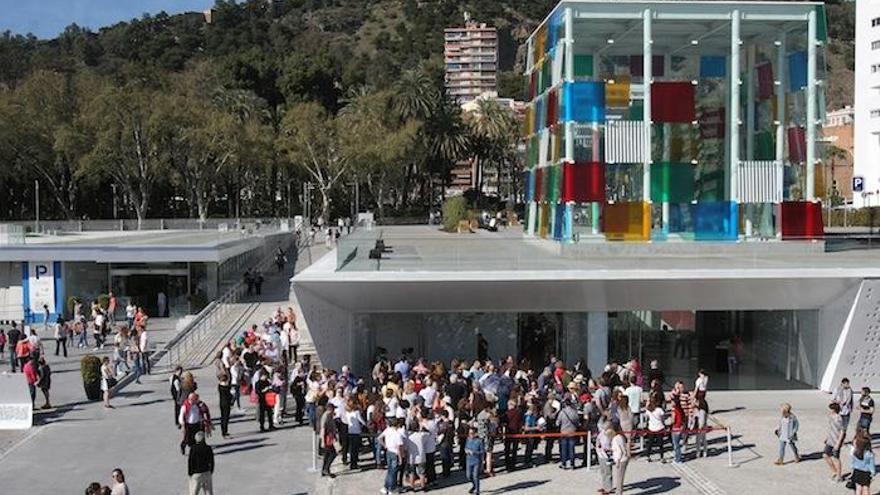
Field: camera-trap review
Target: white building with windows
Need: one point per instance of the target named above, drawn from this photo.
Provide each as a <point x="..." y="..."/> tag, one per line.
<point x="867" y="104"/>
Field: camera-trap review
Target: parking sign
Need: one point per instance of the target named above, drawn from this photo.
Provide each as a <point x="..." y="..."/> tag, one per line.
<point x="858" y="184"/>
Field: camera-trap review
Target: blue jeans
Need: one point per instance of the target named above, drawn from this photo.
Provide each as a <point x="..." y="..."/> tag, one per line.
<point x="137" y="368"/>
<point x="378" y="451"/>
<point x="84" y="338"/>
<point x="391" y="473"/>
<point x="676" y="446"/>
<point x="865" y="423"/>
<point x="793" y="447"/>
<point x="566" y="451"/>
<point x="473" y="474"/>
<point x="311" y="413"/>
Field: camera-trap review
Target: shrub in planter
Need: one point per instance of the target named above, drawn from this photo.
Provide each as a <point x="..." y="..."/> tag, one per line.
<point x="90" y="368"/>
<point x="454" y="211"/>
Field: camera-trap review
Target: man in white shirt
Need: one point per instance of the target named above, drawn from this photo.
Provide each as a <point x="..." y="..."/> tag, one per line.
<point x="429" y="393"/>
<point x="633" y="394"/>
<point x="144" y="344"/>
<point x="393" y="440"/>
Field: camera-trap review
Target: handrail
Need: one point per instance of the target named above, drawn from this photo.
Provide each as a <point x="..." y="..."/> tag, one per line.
<point x="206" y="318"/>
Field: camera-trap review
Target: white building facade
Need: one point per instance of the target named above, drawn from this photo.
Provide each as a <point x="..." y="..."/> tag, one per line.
<point x="867" y="104"/>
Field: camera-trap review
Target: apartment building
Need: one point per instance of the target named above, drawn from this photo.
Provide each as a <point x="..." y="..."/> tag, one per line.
<point x="471" y="57"/>
<point x="867" y="104"/>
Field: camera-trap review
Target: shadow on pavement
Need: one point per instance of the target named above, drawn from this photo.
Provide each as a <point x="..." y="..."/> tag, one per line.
<point x="655" y="485"/>
<point x="522" y="485"/>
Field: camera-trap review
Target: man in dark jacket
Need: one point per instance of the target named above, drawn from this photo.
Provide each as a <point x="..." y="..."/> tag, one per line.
<point x="201" y="467"/>
<point x="12" y="338"/>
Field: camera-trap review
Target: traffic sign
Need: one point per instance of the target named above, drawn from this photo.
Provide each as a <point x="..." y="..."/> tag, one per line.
<point x="858" y="184"/>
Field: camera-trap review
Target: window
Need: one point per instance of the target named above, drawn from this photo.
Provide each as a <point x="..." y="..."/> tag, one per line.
<point x="875" y="22"/>
<point x="875" y="45"/>
<point x="875" y="113"/>
<point x="875" y="68"/>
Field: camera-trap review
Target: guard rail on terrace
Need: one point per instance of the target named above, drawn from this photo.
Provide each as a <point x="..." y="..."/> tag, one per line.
<point x="127" y="224"/>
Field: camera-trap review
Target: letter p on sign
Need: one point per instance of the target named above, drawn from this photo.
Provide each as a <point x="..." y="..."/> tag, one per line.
<point x="40" y="270"/>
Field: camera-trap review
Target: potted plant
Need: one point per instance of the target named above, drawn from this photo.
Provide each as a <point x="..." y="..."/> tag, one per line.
<point x="90" y="368"/>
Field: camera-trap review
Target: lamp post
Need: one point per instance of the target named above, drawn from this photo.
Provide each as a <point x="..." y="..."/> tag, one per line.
<point x="113" y="188"/>
<point x="357" y="200"/>
<point x="37" y="206"/>
<point x="289" y="182"/>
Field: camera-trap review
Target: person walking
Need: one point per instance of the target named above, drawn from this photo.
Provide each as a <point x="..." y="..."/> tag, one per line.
<point x="328" y="435"/>
<point x="866" y="410"/>
<point x="568" y="423"/>
<point x="355" y="421"/>
<point x="391" y="439"/>
<point x="175" y="392"/>
<point x="862" y="462"/>
<point x="604" y="457"/>
<point x="787" y="434"/>
<point x="12" y="338"/>
<point x="130" y="312"/>
<point x="144" y="346"/>
<point x="46" y="315"/>
<point x="834" y="441"/>
<point x="620" y="455"/>
<point x="62" y="330"/>
<point x="475" y="449"/>
<point x="224" y="392"/>
<point x="194" y="417"/>
<point x="112" y="303"/>
<point x="843" y="396"/>
<point x="201" y="466"/>
<point x="30" y="375"/>
<point x="44" y="380"/>
<point x="108" y="379"/>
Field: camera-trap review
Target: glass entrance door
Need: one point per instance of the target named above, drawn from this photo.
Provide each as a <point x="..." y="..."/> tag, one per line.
<point x="539" y="336"/>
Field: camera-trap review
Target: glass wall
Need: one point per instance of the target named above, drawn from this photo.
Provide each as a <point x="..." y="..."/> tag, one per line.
<point x="738" y="349"/>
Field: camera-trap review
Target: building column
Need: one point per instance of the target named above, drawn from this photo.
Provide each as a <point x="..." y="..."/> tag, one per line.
<point x="733" y="110"/>
<point x="780" y="123"/>
<point x="648" y="75"/>
<point x="811" y="106"/>
<point x="751" y="54"/>
<point x="597" y="341"/>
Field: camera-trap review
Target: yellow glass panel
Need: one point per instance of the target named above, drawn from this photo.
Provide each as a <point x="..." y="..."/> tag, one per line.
<point x="617" y="93"/>
<point x="627" y="221"/>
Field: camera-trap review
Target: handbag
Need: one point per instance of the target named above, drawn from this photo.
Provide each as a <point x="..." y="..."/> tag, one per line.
<point x="271" y="398"/>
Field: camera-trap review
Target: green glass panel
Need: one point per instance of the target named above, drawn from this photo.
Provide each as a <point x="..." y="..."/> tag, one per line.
<point x="672" y="182"/>
<point x="637" y="111"/>
<point x="583" y="66"/>
<point x="821" y="24"/>
<point x="553" y="183"/>
<point x="765" y="148"/>
<point x="546" y="74"/>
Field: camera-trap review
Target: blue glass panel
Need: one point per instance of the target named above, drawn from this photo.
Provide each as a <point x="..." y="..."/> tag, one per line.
<point x="540" y="116"/>
<point x="716" y="220"/>
<point x="567" y="225"/>
<point x="555" y="31"/>
<point x="584" y="101"/>
<point x="797" y="71"/>
<point x="530" y="185"/>
<point x="558" y="220"/>
<point x="713" y="66"/>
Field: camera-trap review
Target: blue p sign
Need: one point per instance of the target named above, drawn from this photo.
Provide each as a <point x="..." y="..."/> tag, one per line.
<point x="858" y="184"/>
<point x="41" y="270"/>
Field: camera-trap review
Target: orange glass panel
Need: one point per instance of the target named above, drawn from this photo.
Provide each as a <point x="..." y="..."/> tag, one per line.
<point x="627" y="221"/>
<point x="617" y="93"/>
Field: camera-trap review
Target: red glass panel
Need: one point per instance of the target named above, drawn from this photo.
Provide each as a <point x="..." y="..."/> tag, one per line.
<point x="802" y="220"/>
<point x="797" y="144"/>
<point x="672" y="102"/>
<point x="583" y="182"/>
<point x="552" y="108"/>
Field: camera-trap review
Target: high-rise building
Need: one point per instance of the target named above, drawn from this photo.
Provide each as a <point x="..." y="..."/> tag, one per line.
<point x="471" y="54"/>
<point x="867" y="104"/>
<point x="837" y="132"/>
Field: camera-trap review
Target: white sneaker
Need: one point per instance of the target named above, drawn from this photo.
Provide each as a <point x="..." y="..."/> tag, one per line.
<point x="384" y="491"/>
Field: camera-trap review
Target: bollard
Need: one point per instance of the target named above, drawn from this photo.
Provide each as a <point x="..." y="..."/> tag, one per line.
<point x="729" y="449"/>
<point x="589" y="449"/>
<point x="314" y="468"/>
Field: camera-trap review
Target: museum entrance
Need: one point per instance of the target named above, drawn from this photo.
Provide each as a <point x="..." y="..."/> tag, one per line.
<point x="161" y="292"/>
<point x="539" y="336"/>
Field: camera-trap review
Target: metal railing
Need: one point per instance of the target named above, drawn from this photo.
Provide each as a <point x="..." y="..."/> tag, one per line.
<point x="192" y="335"/>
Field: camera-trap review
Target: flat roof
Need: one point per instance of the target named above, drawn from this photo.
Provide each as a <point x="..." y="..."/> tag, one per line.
<point x="147" y="246"/>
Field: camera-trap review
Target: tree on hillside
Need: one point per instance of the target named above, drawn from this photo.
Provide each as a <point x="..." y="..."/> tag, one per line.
<point x="494" y="136"/>
<point x="127" y="133"/>
<point x="310" y="139"/>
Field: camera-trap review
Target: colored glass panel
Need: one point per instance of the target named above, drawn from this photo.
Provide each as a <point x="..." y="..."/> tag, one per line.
<point x="797" y="144"/>
<point x="539" y="43"/>
<point x="546" y="74"/>
<point x="533" y="84"/>
<point x="544" y="220"/>
<point x="555" y="31"/>
<point x="797" y="71"/>
<point x="627" y="221"/>
<point x="713" y="66"/>
<point x="584" y="101"/>
<point x="716" y="220"/>
<point x="559" y="221"/>
<point x="765" y="80"/>
<point x="617" y="93"/>
<point x="530" y="185"/>
<point x="765" y="146"/>
<point x="583" y="66"/>
<point x="539" y="184"/>
<point x="637" y="66"/>
<point x="583" y="182"/>
<point x="672" y="182"/>
<point x="802" y="220"/>
<point x="672" y="102"/>
<point x="636" y="111"/>
<point x="552" y="108"/>
<point x="540" y="117"/>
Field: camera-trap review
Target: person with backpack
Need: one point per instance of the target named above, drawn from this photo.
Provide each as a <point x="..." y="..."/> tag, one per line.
<point x="194" y="417"/>
<point x="22" y="352"/>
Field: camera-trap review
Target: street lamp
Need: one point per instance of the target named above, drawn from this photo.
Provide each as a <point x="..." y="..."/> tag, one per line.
<point x="289" y="182"/>
<point x="357" y="200"/>
<point x="37" y="206"/>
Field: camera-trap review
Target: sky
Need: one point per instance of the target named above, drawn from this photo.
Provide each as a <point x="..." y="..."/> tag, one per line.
<point x="48" y="18"/>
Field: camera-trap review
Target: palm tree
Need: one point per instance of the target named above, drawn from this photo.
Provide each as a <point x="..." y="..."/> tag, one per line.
<point x="493" y="131"/>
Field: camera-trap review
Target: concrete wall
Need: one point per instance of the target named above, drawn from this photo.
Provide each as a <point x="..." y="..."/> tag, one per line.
<point x="330" y="328"/>
<point x="10" y="291"/>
